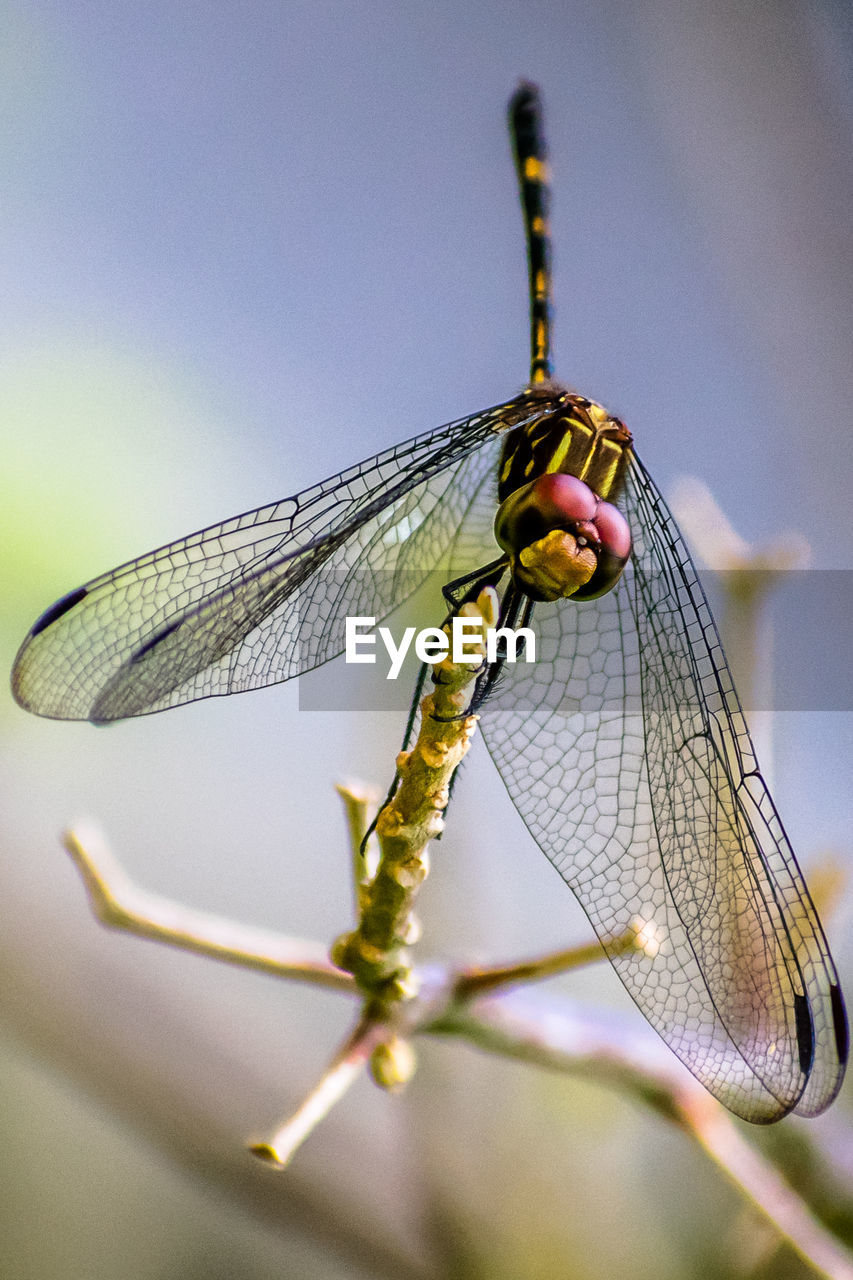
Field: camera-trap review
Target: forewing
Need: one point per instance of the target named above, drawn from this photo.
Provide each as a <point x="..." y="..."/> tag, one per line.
<point x="263" y="596"/>
<point x="625" y="750"/>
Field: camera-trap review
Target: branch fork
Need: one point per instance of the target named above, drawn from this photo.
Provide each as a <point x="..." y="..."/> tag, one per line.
<point x="397" y="1002"/>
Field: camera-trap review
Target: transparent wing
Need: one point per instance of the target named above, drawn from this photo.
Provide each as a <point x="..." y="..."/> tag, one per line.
<point x="625" y="750"/>
<point x="263" y="596"/>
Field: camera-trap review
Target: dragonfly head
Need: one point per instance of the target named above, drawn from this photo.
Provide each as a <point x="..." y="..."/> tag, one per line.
<point x="562" y="539"/>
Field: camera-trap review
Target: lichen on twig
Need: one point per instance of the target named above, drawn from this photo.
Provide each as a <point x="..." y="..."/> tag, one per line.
<point x="376" y="951"/>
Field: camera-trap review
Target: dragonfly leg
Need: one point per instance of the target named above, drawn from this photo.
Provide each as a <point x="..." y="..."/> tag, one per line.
<point x="407" y="738"/>
<point x="488" y="678"/>
<point x="469" y="585"/>
<point x="515" y="602"/>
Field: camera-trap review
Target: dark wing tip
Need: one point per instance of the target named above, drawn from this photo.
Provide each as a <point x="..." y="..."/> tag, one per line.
<point x="22" y="690"/>
<point x="805" y="1034"/>
<point x="839" y="1019"/>
<point x="57" y="610"/>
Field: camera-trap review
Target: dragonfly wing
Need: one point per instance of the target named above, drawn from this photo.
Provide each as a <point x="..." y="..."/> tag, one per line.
<point x="626" y="754"/>
<point x="263" y="596"/>
<point x="730" y="867"/>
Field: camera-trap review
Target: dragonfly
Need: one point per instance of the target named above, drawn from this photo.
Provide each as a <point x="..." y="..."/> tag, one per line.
<point x="623" y="746"/>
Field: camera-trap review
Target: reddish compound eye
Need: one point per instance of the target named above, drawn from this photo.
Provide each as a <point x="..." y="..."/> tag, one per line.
<point x="563" y="502"/>
<point x="549" y="502"/>
<point x="613" y="531"/>
<point x="613" y="552"/>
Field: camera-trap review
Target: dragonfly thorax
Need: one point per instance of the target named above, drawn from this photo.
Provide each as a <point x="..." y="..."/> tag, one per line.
<point x="580" y="438"/>
<point x="561" y="534"/>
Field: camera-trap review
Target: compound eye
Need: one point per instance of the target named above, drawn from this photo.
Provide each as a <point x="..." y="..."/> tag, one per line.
<point x="613" y="552"/>
<point x="549" y="502"/>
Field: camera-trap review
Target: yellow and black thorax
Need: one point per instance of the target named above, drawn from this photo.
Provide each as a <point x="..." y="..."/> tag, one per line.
<point x="580" y="438"/>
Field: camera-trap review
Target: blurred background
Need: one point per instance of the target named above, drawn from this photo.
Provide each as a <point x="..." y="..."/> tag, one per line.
<point x="245" y="245"/>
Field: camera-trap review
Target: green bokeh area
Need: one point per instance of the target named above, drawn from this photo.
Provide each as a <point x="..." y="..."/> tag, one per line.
<point x="87" y="434"/>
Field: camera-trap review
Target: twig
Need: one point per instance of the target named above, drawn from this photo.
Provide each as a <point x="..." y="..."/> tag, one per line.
<point x="358" y="801"/>
<point x="120" y="904"/>
<point x="756" y="1178"/>
<point x="342" y="1071"/>
<point x="543" y="1033"/>
<point x="464" y="1004"/>
<point x="473" y="982"/>
<point x="376" y="951"/>
<point x="584" y="1045"/>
